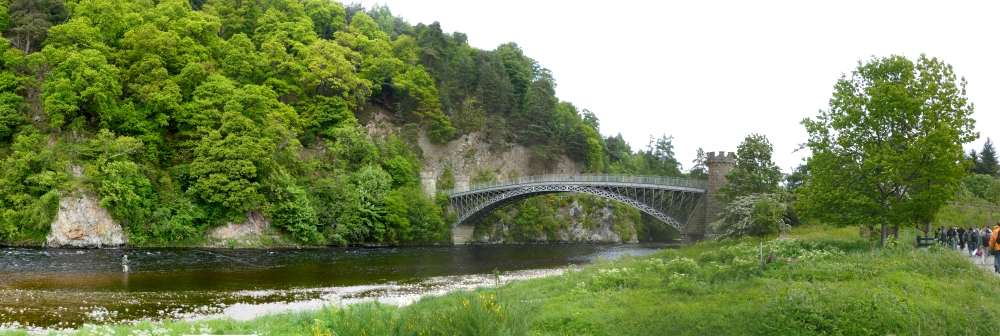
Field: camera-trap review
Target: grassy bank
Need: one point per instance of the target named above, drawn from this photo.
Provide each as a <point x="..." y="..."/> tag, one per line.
<point x="832" y="283"/>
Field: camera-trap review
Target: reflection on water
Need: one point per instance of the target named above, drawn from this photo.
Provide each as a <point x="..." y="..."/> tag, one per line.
<point x="54" y="287"/>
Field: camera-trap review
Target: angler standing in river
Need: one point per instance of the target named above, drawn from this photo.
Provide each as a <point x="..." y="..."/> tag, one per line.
<point x="125" y="264"/>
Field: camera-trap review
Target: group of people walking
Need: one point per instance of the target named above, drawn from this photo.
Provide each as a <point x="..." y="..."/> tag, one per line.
<point x="980" y="242"/>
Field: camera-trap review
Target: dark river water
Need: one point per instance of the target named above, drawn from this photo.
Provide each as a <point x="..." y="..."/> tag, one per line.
<point x="64" y="288"/>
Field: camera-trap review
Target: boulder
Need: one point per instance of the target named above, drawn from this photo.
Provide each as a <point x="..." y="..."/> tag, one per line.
<point x="82" y="223"/>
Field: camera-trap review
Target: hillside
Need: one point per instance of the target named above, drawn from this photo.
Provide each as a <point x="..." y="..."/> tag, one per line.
<point x="180" y="116"/>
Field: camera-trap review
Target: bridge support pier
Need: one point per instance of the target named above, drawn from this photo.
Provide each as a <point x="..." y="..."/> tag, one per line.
<point x="461" y="234"/>
<point x="698" y="227"/>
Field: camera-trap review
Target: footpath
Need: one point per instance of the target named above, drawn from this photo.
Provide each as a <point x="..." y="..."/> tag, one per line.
<point x="986" y="263"/>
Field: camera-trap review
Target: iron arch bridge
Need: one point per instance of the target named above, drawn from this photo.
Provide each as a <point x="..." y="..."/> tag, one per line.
<point x="669" y="199"/>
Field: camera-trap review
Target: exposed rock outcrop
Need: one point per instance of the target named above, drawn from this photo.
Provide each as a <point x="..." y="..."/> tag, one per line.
<point x="82" y="223"/>
<point x="471" y="153"/>
<point x="243" y="234"/>
<point x="467" y="154"/>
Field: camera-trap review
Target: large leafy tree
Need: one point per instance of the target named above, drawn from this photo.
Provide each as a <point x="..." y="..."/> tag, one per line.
<point x="82" y="84"/>
<point x="229" y="166"/>
<point x="888" y="151"/>
<point x="754" y="172"/>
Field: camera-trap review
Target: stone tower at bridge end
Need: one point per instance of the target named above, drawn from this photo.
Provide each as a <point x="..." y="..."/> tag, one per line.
<point x="697" y="227"/>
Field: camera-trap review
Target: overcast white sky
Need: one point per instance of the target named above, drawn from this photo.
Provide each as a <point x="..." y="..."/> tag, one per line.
<point x="711" y="72"/>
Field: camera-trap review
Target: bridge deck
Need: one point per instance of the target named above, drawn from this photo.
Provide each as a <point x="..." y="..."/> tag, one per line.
<point x="636" y="181"/>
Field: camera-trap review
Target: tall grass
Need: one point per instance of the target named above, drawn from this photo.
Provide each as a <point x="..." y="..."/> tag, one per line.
<point x="837" y="284"/>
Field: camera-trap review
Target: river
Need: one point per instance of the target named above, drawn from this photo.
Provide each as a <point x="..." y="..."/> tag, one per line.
<point x="63" y="288"/>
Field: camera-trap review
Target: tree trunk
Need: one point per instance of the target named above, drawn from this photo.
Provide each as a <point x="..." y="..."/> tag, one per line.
<point x="885" y="226"/>
<point x="928" y="235"/>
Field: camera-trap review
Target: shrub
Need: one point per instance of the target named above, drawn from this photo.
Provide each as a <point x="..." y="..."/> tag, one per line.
<point x="754" y="215"/>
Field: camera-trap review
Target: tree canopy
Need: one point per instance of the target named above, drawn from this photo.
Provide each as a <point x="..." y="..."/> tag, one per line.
<point x="888" y="151"/>
<point x="754" y="171"/>
<point x="985" y="162"/>
<point x="182" y="115"/>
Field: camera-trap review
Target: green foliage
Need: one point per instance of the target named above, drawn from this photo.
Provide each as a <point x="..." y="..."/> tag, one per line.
<point x="4" y="18"/>
<point x="754" y="172"/>
<point x="659" y="157"/>
<point x="29" y="174"/>
<point x="82" y="83"/>
<point x="447" y="179"/>
<point x="293" y="211"/>
<point x="361" y="212"/>
<point x="11" y="86"/>
<point x="755" y="215"/>
<point x="10" y="118"/>
<point x="977" y="204"/>
<point x="228" y="167"/>
<point x="469" y="117"/>
<point x="29" y="20"/>
<point x="188" y="114"/>
<point x="983" y="187"/>
<point x="797" y="178"/>
<point x="987" y="160"/>
<point x="126" y="192"/>
<point x="547" y="217"/>
<point x="967" y="215"/>
<point x="699" y="169"/>
<point x="889" y="149"/>
<point x="483" y="176"/>
<point x="414" y="218"/>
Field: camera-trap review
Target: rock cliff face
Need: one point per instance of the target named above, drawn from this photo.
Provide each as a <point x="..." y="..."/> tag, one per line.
<point x="467" y="154"/>
<point x="243" y="234"/>
<point x="471" y="153"/>
<point x="600" y="225"/>
<point x="82" y="223"/>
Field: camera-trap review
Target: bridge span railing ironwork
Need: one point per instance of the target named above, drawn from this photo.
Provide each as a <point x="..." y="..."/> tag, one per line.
<point x="588" y="179"/>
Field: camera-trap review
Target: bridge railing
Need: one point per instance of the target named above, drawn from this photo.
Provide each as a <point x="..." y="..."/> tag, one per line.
<point x="599" y="178"/>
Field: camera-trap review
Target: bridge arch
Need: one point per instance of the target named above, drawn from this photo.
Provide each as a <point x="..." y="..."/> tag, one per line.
<point x="671" y="200"/>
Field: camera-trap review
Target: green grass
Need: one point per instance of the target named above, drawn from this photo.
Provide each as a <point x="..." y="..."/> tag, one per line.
<point x="837" y="285"/>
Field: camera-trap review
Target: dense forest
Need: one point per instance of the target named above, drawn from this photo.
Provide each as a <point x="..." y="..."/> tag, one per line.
<point x="182" y="115"/>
